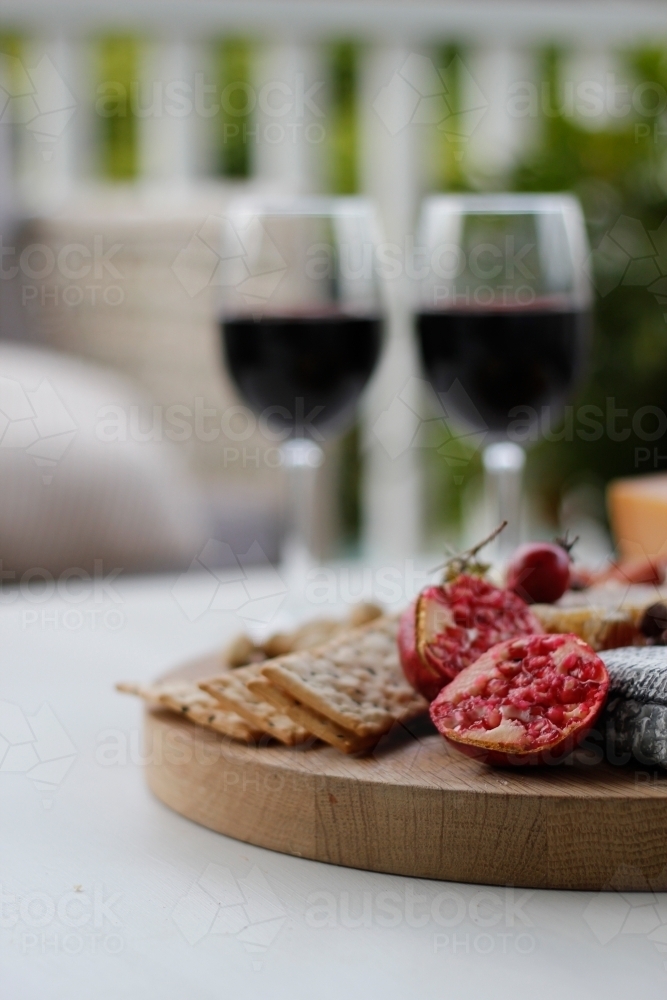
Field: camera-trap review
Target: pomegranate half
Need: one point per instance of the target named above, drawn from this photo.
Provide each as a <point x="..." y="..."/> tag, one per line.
<point x="529" y="700"/>
<point x="451" y="625"/>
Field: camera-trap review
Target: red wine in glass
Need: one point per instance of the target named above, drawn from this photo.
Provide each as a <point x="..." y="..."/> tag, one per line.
<point x="510" y="362"/>
<point x="305" y="373"/>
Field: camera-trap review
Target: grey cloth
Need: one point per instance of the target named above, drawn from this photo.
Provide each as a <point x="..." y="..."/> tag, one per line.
<point x="636" y="713"/>
<point x="633" y="727"/>
<point x="638" y="673"/>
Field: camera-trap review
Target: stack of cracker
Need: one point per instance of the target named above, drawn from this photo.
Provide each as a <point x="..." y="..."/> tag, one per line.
<point x="233" y="692"/>
<point x="348" y="692"/>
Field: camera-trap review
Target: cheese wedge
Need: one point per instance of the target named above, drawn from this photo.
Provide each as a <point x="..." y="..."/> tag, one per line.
<point x="638" y="514"/>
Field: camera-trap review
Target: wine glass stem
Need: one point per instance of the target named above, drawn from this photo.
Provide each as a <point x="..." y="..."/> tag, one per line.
<point x="301" y="459"/>
<point x="503" y="489"/>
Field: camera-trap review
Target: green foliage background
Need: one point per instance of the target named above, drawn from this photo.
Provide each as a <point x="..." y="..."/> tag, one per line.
<point x="117" y="69"/>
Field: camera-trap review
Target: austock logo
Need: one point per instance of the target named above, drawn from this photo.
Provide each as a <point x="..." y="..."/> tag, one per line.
<point x="418" y="94"/>
<point x="230" y="583"/>
<point x="37" y="98"/>
<point x="630" y="256"/>
<point x="36" y="421"/>
<point x="227" y="255"/>
<point x="416" y="417"/>
<point x="35" y="745"/>
<point x="219" y="903"/>
<point x="461" y="919"/>
<point x="615" y="912"/>
<point x="71" y="923"/>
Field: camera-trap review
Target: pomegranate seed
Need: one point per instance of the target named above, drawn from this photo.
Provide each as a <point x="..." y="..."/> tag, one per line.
<point x="493" y="719"/>
<point x="550" y="643"/>
<point x="570" y="662"/>
<point x="497" y="686"/>
<point x="508" y="669"/>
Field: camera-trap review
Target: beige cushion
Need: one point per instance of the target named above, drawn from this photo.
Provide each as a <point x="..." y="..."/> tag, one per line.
<point x="68" y="497"/>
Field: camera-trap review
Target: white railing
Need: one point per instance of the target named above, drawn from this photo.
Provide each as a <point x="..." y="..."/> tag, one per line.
<point x="393" y="146"/>
<point x="413" y="21"/>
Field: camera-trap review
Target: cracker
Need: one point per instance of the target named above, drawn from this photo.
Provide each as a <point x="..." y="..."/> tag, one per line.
<point x="185" y="698"/>
<point x="600" y="627"/>
<point x="314" y="633"/>
<point x="319" y="631"/>
<point x="242" y="650"/>
<point x="355" y="680"/>
<point x="303" y="715"/>
<point x="233" y="693"/>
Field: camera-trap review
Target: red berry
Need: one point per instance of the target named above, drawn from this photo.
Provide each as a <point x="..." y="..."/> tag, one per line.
<point x="539" y="572"/>
<point x="536" y="713"/>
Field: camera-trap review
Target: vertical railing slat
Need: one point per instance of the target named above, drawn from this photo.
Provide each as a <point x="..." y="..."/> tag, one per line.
<point x="494" y="76"/>
<point x="46" y="129"/>
<point x="289" y="116"/>
<point x="392" y="502"/>
<point x="166" y="112"/>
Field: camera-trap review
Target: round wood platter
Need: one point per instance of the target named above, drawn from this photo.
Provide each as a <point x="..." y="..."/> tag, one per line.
<point x="416" y="807"/>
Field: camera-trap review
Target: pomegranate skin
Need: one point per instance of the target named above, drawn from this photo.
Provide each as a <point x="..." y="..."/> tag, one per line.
<point x="539" y="572"/>
<point x="506" y="758"/>
<point x="450" y="625"/>
<point x="526" y="701"/>
<point x="418" y="673"/>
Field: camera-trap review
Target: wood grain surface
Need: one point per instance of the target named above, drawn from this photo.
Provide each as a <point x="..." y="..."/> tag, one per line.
<point x="416" y="807"/>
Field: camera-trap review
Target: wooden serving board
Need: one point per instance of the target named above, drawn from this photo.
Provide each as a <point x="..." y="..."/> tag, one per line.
<point x="417" y="807"/>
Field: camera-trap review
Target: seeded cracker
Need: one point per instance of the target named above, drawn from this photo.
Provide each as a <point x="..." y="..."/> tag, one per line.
<point x="232" y="692"/>
<point x="354" y="681"/>
<point x="314" y="722"/>
<point x="185" y="698"/>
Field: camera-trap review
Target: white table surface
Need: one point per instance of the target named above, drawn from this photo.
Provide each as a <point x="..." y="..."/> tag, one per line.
<point x="102" y="893"/>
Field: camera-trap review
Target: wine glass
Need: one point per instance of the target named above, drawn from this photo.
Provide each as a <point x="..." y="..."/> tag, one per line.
<point x="503" y="320"/>
<point x="301" y="329"/>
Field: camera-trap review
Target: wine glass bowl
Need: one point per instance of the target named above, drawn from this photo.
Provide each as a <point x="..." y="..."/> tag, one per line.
<point x="302" y="336"/>
<point x="504" y="306"/>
